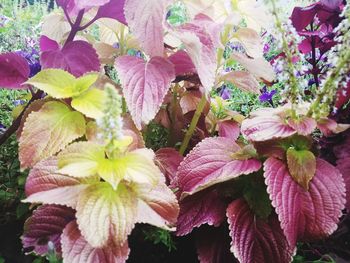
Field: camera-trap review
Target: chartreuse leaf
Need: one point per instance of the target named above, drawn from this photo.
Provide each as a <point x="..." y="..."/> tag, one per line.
<point x="48" y="131"/>
<point x="85" y="159"/>
<point x="301" y="166"/>
<point x="80" y="159"/>
<point x="104" y="213"/>
<point x="91" y="103"/>
<point x="60" y="84"/>
<point x="57" y="83"/>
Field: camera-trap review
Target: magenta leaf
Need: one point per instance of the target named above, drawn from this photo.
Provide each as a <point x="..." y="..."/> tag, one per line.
<point x="47" y="44"/>
<point x="44" y="226"/>
<point x="183" y="63"/>
<point x="14" y="70"/>
<point x="255" y="240"/>
<point x="204" y="207"/>
<point x="146" y="20"/>
<point x="86" y="4"/>
<point x="213" y="245"/>
<point x="145" y="85"/>
<point x="305" y="215"/>
<point x="211" y="162"/>
<point x="113" y="9"/>
<point x="168" y="160"/>
<point x="229" y="129"/>
<point x="76" y="249"/>
<point x="77" y="57"/>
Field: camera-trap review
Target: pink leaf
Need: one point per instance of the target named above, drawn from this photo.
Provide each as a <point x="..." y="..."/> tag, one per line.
<point x="77" y="57"/>
<point x="86" y="4"/>
<point x="183" y="63"/>
<point x="168" y="160"/>
<point x="211" y="162"/>
<point x="229" y="129"/>
<point x="342" y="152"/>
<point x="47" y="44"/>
<point x="255" y="240"/>
<point x="145" y="85"/>
<point x="200" y="47"/>
<point x="263" y="128"/>
<point x="204" y="207"/>
<point x="306" y="215"/>
<point x="157" y="206"/>
<point x="46" y="224"/>
<point x="213" y="245"/>
<point x="213" y="28"/>
<point x="243" y="80"/>
<point x="14" y="70"/>
<point x="303" y="126"/>
<point x="76" y="249"/>
<point x="44" y="185"/>
<point x="146" y="20"/>
<point x="259" y="67"/>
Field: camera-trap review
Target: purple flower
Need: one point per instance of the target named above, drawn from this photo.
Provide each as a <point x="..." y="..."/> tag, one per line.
<point x="116" y="45"/>
<point x="32" y="58"/>
<point x="168" y="14"/>
<point x="3" y="20"/>
<point x="2" y="128"/>
<point x="266" y="48"/>
<point x="266" y="96"/>
<point x="18" y="102"/>
<point x="225" y="93"/>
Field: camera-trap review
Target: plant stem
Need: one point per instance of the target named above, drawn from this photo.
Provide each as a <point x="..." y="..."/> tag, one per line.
<point x="75" y="27"/>
<point x="193" y="124"/>
<point x="314" y="62"/>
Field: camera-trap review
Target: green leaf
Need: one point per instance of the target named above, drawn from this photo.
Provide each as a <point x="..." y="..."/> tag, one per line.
<point x="48" y="131"/>
<point x="257" y="197"/>
<point x="91" y="103"/>
<point x="60" y="84"/>
<point x="301" y="166"/>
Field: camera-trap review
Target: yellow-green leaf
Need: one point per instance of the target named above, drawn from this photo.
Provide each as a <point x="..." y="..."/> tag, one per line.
<point x="60" y="84"/>
<point x="48" y="131"/>
<point x="57" y="83"/>
<point x="91" y="103"/>
<point x="84" y="82"/>
<point x="135" y="167"/>
<point x="302" y="166"/>
<point x="80" y="159"/>
<point x="105" y="214"/>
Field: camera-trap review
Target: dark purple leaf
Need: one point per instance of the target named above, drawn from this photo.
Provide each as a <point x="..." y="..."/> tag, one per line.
<point x="77" y="57"/>
<point x="14" y="70"/>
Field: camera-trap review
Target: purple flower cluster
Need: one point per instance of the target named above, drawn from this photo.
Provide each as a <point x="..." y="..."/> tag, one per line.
<point x="225" y="92"/>
<point x="32" y="58"/>
<point x="267" y="96"/>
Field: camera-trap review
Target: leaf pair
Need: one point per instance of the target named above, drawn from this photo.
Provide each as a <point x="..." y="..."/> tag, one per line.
<point x="60" y="84"/>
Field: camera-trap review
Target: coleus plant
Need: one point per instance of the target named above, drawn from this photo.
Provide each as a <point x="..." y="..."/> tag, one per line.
<point x="89" y="167"/>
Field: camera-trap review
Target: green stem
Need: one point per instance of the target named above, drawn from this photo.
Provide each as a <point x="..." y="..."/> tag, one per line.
<point x="193" y="124"/>
<point x="124" y="106"/>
